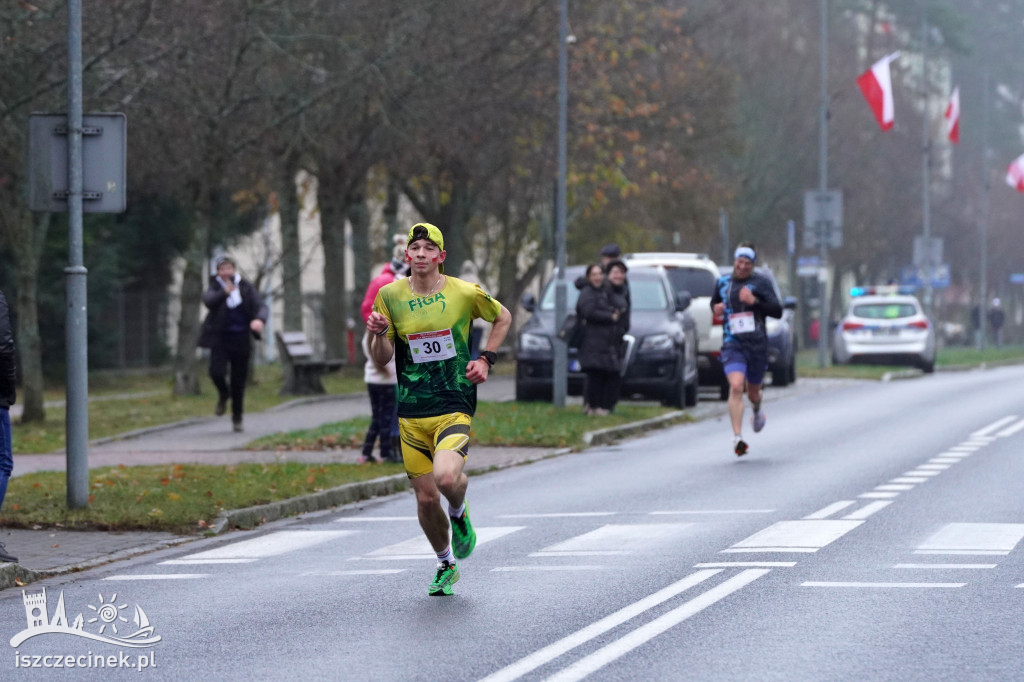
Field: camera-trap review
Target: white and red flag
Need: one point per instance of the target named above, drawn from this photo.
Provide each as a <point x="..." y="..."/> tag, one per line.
<point x="953" y="116"/>
<point x="1015" y="174"/>
<point x="876" y="84"/>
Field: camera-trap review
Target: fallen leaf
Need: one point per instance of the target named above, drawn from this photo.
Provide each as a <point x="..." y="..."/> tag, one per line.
<point x="19" y="582"/>
<point x="56" y="546"/>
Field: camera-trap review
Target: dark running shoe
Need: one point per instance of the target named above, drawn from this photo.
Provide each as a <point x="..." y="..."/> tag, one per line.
<point x="739" y="446"/>
<point x="6" y="556"/>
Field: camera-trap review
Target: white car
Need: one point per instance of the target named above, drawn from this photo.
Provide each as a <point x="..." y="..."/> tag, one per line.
<point x="697" y="274"/>
<point x="883" y="325"/>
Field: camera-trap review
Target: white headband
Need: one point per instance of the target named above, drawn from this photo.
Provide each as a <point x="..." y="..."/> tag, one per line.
<point x="745" y="252"/>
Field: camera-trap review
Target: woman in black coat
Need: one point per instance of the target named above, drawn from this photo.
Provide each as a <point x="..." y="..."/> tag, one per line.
<point x="602" y="337"/>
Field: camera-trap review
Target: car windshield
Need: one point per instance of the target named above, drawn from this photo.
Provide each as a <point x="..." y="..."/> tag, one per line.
<point x="885" y="311"/>
<point x="697" y="281"/>
<point x="646" y="293"/>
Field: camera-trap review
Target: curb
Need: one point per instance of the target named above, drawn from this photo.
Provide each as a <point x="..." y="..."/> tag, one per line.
<point x="902" y="374"/>
<point x="613" y="433"/>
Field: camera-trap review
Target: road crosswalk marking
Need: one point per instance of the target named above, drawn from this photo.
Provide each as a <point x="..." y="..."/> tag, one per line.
<point x="615" y="539"/>
<point x="982" y="538"/>
<point x="419" y="547"/>
<point x="271" y="544"/>
<point x="796" y="536"/>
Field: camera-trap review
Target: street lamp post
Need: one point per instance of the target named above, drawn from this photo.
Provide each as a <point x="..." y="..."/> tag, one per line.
<point x="560" y="367"/>
<point x="823" y="323"/>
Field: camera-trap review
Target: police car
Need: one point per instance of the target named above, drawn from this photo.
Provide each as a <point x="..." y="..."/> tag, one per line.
<point x="885" y="325"/>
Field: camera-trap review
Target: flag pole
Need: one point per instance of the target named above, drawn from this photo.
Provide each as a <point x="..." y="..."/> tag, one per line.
<point x="986" y="186"/>
<point x="926" y="163"/>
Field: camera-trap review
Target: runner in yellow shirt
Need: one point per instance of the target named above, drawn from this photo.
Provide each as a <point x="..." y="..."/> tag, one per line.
<point x="424" y="321"/>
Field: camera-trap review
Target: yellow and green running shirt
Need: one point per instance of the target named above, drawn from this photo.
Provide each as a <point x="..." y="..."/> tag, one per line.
<point x="431" y="336"/>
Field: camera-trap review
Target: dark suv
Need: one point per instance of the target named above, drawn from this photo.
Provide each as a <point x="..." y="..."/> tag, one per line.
<point x="660" y="348"/>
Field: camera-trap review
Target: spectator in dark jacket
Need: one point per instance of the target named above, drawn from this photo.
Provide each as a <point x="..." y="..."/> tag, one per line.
<point x="8" y="373"/>
<point x="602" y="338"/>
<point x="236" y="312"/>
<point x="996" y="318"/>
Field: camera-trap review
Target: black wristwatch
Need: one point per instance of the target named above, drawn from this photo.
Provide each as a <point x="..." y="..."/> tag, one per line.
<point x="490" y="356"/>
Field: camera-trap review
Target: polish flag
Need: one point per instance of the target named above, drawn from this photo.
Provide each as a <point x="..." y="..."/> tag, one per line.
<point x="953" y="117"/>
<point x="876" y="84"/>
<point x="1015" y="174"/>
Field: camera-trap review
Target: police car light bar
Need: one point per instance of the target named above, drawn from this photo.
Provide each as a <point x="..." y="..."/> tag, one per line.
<point x="884" y="290"/>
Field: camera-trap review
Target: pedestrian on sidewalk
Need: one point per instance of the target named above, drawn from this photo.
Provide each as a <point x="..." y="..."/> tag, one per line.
<point x="237" y="314"/>
<point x="744" y="298"/>
<point x="8" y="377"/>
<point x="381" y="381"/>
<point x="423" y="322"/>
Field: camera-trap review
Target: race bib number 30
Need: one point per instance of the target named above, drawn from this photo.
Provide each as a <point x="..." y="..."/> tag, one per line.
<point x="432" y="346"/>
<point x="741" y="323"/>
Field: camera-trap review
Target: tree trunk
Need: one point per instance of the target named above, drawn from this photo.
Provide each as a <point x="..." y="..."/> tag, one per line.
<point x="27" y="249"/>
<point x="291" y="256"/>
<point x="359" y="218"/>
<point x="186" y="366"/>
<point x="333" y="209"/>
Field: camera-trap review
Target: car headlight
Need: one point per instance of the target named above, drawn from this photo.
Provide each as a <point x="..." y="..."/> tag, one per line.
<point x="771" y="326"/>
<point x="534" y="342"/>
<point x="655" y="342"/>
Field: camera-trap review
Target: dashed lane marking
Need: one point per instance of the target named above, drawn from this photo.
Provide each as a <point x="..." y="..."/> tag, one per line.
<point x="974" y="537"/>
<point x="556" y="515"/>
<point x="713" y="511"/>
<point x="746" y="564"/>
<point x="596" y="629"/>
<point x="946" y="566"/>
<point x="616" y="539"/>
<point x="919" y="472"/>
<point x="831" y="509"/>
<point x="271" y="544"/>
<point x="419" y="547"/>
<point x="878" y="496"/>
<point x="885" y="585"/>
<point x="527" y="569"/>
<point x="909" y="479"/>
<point x="796" y="536"/>
<point x="1012" y="430"/>
<point x="994" y="426"/>
<point x="369" y="571"/>
<point x="867" y="510"/>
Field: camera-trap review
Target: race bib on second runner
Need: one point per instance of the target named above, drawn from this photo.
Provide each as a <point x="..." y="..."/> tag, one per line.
<point x="741" y="323"/>
<point x="432" y="346"/>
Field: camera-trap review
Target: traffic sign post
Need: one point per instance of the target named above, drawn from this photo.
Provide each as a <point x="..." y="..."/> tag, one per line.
<point x="823" y="218"/>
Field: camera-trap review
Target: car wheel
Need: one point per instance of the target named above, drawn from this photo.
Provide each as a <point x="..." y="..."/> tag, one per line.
<point x="792" y="370"/>
<point x="927" y="366"/>
<point x="780" y="375"/>
<point x="692" y="394"/>
<point x="528" y="394"/>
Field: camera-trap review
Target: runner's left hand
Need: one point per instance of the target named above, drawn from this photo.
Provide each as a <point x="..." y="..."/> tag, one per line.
<point x="477" y="370"/>
<point x="747" y="296"/>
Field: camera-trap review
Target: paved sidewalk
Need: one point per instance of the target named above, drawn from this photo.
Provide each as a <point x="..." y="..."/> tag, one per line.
<point x="48" y="551"/>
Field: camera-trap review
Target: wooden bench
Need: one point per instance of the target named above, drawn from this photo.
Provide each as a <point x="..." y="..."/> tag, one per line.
<point x="302" y="369"/>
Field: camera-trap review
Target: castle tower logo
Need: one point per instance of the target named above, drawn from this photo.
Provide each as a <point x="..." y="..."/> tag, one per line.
<point x="107" y="617"/>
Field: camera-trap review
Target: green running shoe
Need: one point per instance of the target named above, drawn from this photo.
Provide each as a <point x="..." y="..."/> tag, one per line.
<point x="463" y="536"/>
<point x="447" y="575"/>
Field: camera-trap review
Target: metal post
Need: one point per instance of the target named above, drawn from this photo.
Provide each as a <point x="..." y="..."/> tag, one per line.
<point x="723" y="228"/>
<point x="824" y="328"/>
<point x="77" y="425"/>
<point x="926" y="162"/>
<point x="986" y="186"/>
<point x="560" y="379"/>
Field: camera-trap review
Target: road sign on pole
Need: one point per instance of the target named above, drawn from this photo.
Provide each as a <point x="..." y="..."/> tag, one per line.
<point x="823" y="218"/>
<point x="928" y="251"/>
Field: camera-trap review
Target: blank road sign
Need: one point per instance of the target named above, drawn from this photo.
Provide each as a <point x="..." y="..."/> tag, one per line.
<point x="104" y="162"/>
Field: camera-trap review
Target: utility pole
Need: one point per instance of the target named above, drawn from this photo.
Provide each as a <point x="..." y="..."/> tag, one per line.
<point x="986" y="186"/>
<point x="926" y="163"/>
<point x="560" y="378"/>
<point x="823" y="318"/>
<point x="77" y="418"/>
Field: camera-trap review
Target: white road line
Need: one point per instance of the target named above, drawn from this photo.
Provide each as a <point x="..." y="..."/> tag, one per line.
<point x="894" y="486"/>
<point x="618" y="538"/>
<point x="418" y="548"/>
<point x="556" y="649"/>
<point x="831" y="509"/>
<point x="945" y="566"/>
<point x="589" y="552"/>
<point x="162" y="576"/>
<point x="1012" y="430"/>
<point x="556" y="515"/>
<point x="868" y="509"/>
<point x="919" y="472"/>
<point x="715" y="511"/>
<point x="272" y="544"/>
<point x="371" y="519"/>
<point x="965" y="447"/>
<point x="878" y="496"/>
<point x="859" y="584"/>
<point x="609" y="653"/>
<point x="367" y="571"/>
<point x="980" y="440"/>
<point x="954" y="453"/>
<point x="934" y="467"/>
<point x="976" y="536"/>
<point x="1019" y="586"/>
<point x="909" y="479"/>
<point x="797" y="535"/>
<point x="752" y="550"/>
<point x="963" y="552"/>
<point x="195" y="562"/>
<point x="746" y="564"/>
<point x="994" y="426"/>
<point x="945" y="460"/>
<point x="525" y="569"/>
